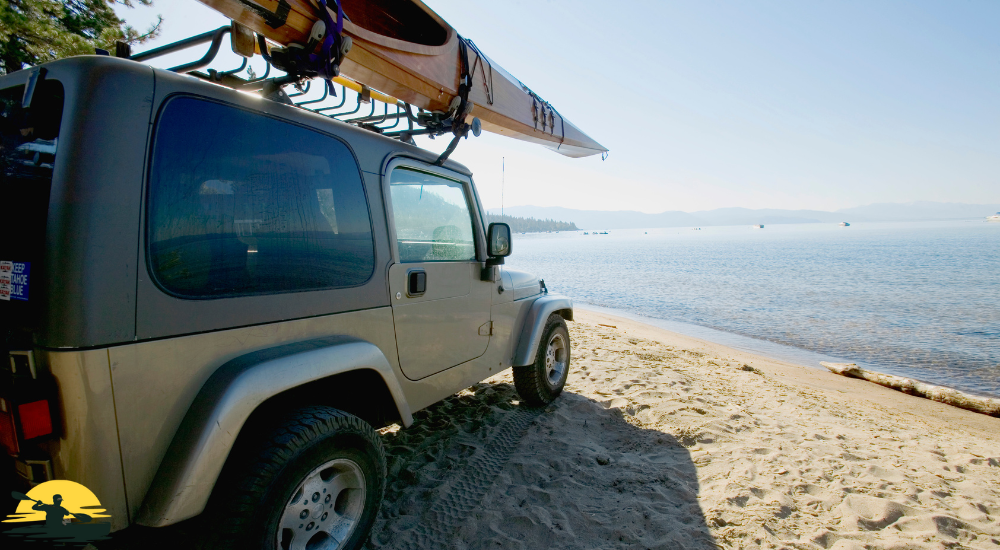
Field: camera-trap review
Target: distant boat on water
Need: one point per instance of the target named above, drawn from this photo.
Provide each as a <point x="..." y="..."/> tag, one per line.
<point x="757" y="226"/>
<point x="844" y="224"/>
<point x="994" y="217"/>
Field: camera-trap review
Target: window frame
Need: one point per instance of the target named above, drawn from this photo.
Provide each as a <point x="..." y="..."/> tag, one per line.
<point x="468" y="189"/>
<point x="147" y="202"/>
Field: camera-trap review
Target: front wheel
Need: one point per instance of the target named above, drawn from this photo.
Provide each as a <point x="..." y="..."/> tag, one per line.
<point x="316" y="483"/>
<point x="541" y="382"/>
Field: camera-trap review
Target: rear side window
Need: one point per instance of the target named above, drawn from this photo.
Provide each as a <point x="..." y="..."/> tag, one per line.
<point x="240" y="203"/>
<point x="28" y="142"/>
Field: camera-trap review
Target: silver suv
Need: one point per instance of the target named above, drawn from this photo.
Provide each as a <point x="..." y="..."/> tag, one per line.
<point x="210" y="301"/>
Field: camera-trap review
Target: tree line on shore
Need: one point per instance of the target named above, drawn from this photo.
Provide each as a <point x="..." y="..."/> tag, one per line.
<point x="530" y="225"/>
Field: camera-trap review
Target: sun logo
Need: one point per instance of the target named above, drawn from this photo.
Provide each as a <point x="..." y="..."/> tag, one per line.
<point x="67" y="509"/>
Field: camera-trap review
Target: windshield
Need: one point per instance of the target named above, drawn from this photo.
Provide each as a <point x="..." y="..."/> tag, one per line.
<point x="29" y="139"/>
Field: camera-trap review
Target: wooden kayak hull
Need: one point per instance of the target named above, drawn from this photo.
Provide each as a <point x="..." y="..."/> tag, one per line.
<point x="406" y="51"/>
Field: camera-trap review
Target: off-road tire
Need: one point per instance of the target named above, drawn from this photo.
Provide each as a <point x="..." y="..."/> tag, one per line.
<point x="533" y="382"/>
<point x="245" y="511"/>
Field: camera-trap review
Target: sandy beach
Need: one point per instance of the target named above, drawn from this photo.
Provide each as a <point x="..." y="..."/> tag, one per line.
<point x="664" y="441"/>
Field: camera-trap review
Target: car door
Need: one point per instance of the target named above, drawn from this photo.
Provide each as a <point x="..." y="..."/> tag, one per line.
<point x="441" y="308"/>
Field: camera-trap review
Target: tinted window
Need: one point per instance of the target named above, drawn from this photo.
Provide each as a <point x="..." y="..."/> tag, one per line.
<point x="241" y="203"/>
<point x="28" y="142"/>
<point x="432" y="218"/>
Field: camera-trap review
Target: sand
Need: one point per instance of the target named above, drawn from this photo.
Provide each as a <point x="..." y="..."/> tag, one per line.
<point x="664" y="441"/>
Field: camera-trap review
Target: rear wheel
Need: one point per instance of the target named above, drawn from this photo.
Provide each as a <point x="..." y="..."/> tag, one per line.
<point x="541" y="382"/>
<point x="316" y="483"/>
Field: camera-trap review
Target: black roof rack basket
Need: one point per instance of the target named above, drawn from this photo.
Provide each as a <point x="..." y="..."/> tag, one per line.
<point x="393" y="119"/>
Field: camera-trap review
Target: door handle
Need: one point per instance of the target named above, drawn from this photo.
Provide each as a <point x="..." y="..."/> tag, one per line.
<point x="416" y="282"/>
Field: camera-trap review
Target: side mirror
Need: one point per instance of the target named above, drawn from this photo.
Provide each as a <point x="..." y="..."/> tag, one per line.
<point x="498" y="240"/>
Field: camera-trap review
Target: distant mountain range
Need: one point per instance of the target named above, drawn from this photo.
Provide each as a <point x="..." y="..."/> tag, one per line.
<point x="884" y="212"/>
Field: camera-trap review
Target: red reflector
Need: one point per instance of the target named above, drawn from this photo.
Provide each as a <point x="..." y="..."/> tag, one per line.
<point x="35" y="419"/>
<point x="8" y="439"/>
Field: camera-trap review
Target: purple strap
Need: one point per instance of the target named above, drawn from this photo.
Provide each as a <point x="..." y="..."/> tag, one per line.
<point x="326" y="59"/>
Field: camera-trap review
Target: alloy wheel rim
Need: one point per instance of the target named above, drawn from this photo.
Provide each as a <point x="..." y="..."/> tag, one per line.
<point x="324" y="509"/>
<point x="555" y="359"/>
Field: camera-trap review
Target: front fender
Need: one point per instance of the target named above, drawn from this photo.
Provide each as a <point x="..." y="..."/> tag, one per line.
<point x="187" y="475"/>
<point x="534" y="324"/>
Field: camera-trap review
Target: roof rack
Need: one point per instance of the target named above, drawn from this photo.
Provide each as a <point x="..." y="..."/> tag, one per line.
<point x="395" y="119"/>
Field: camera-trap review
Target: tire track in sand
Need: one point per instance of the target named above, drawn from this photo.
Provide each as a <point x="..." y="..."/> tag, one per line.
<point x="458" y="497"/>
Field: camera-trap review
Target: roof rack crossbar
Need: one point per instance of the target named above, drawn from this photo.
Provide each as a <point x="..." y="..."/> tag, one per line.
<point x="398" y="116"/>
<point x="214" y="36"/>
<point x="326" y="92"/>
<point x="238" y="69"/>
<point x="205" y="61"/>
<point x="343" y="99"/>
<point x="175" y="46"/>
<point x="356" y="109"/>
<point x="355" y="120"/>
<point x="419" y="132"/>
<point x="379" y="119"/>
<point x="371" y="117"/>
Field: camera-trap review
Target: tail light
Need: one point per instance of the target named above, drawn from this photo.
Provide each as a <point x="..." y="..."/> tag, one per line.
<point x="36" y="419"/>
<point x="26" y="404"/>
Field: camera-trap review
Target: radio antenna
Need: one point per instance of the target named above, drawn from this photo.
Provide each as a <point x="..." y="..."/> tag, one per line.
<point x="503" y="174"/>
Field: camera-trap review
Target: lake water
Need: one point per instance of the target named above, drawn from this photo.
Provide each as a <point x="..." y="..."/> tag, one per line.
<point x="920" y="300"/>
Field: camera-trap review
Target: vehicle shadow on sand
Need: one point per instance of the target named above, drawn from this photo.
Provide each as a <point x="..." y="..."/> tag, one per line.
<point x="479" y="470"/>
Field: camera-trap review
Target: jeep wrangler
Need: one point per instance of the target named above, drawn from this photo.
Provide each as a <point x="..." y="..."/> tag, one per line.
<point x="210" y="301"/>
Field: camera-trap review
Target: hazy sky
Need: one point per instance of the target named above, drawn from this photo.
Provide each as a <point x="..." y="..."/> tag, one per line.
<point x="706" y="104"/>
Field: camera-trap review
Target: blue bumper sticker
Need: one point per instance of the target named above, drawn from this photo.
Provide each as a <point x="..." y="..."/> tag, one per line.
<point x="14" y="277"/>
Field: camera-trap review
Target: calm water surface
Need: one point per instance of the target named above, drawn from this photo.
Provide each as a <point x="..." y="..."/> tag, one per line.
<point x="915" y="299"/>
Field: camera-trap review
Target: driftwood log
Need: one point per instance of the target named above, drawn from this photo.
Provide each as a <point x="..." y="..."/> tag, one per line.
<point x="941" y="394"/>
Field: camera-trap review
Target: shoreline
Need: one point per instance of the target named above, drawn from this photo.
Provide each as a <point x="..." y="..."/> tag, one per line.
<point x="806" y="377"/>
<point x="765" y="348"/>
